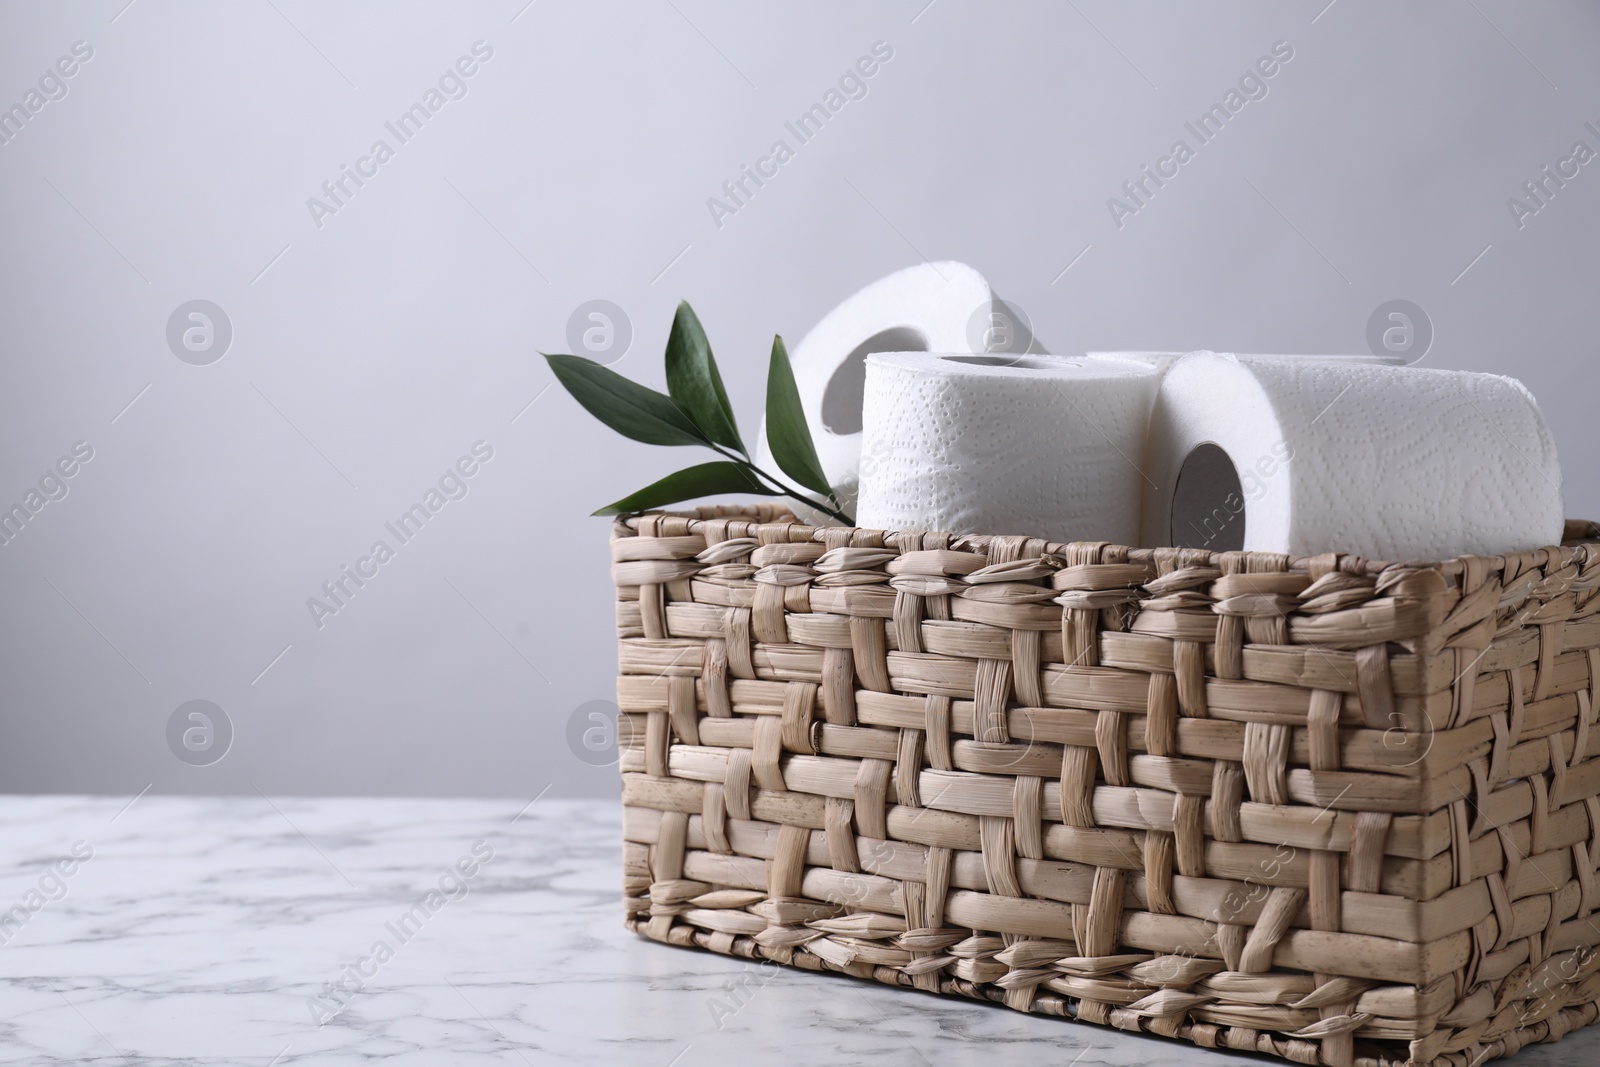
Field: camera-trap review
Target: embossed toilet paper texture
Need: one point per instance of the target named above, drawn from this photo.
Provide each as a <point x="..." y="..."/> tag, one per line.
<point x="1047" y="447"/>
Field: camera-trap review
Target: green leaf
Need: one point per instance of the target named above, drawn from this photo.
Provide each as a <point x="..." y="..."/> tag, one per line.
<point x="705" y="479"/>
<point x="694" y="382"/>
<point x="626" y="406"/>
<point x="787" y="431"/>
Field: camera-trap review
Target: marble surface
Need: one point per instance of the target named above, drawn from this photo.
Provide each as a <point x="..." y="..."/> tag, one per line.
<point x="247" y="930"/>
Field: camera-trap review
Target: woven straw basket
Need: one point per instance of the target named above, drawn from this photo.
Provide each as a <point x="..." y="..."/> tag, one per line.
<point x="1331" y="810"/>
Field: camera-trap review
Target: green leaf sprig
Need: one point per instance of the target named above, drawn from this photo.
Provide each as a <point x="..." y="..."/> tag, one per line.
<point x="695" y="411"/>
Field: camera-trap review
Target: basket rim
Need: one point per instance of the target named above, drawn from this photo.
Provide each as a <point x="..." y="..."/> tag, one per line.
<point x="1579" y="536"/>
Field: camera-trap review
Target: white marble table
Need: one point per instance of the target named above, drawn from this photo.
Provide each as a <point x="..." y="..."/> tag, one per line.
<point x="211" y="931"/>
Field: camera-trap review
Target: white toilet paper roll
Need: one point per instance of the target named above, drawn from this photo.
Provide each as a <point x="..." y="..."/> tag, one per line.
<point x="1038" y="445"/>
<point x="1394" y="463"/>
<point x="939" y="307"/>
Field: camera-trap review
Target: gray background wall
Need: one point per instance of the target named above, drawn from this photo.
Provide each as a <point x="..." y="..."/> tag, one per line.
<point x="369" y="352"/>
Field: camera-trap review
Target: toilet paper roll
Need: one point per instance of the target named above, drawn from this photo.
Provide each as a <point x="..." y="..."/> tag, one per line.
<point x="940" y="307"/>
<point x="1280" y="454"/>
<point x="1038" y="445"/>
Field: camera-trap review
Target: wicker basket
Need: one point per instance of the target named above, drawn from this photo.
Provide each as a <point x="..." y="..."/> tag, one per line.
<point x="1331" y="810"/>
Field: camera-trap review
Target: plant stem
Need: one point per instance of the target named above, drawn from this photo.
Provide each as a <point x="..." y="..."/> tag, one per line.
<point x="787" y="489"/>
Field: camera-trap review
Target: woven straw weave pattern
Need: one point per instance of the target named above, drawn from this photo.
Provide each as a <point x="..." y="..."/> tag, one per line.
<point x="1335" y="811"/>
